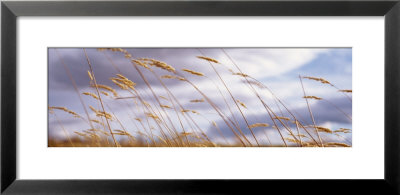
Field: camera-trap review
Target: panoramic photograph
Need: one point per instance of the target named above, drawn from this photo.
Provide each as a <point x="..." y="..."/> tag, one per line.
<point x="199" y="97"/>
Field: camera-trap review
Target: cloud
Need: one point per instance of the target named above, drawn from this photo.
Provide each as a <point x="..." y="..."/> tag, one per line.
<point x="261" y="63"/>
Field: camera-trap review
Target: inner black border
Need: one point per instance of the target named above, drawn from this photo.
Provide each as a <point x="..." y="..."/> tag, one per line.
<point x="10" y="10"/>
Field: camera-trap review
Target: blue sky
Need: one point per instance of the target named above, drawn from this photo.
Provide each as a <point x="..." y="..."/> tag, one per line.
<point x="277" y="68"/>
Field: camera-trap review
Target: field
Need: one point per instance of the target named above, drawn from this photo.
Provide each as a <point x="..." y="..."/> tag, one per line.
<point x="145" y="102"/>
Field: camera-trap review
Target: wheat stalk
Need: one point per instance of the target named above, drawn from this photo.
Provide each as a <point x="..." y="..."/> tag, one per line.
<point x="197" y="100"/>
<point x="193" y="72"/>
<point x="346" y="90"/>
<point x="259" y="125"/>
<point x="91" y="94"/>
<point x="107" y="88"/>
<point x="309" y="109"/>
<point x="322" y="80"/>
<point x="208" y="59"/>
<point x="323" y="129"/>
<point x="342" y="130"/>
<point x="312" y="97"/>
<point x="103" y="113"/>
<point x="65" y="110"/>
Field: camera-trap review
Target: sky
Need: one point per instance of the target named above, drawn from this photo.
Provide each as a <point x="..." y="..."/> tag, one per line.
<point x="277" y="68"/>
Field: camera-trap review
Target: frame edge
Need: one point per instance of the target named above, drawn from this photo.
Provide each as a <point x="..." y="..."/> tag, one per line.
<point x="202" y="8"/>
<point x="392" y="97"/>
<point x="8" y="102"/>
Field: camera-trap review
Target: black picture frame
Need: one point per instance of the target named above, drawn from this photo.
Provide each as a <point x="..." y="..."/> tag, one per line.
<point x="10" y="10"/>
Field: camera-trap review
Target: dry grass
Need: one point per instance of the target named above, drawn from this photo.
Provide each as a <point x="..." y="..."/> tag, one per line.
<point x="193" y="72"/>
<point x="51" y="108"/>
<point x="259" y="125"/>
<point x="166" y="122"/>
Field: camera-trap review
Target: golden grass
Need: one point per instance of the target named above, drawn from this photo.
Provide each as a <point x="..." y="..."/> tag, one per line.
<point x="170" y="124"/>
<point x="159" y="64"/>
<point x="259" y="125"/>
<point x="312" y="97"/>
<point x="197" y="100"/>
<point x="165" y="106"/>
<point x="241" y="103"/>
<point x="193" y="72"/>
<point x="91" y="94"/>
<point x="208" y="59"/>
<point x="101" y="113"/>
<point x="322" y="80"/>
<point x="342" y="130"/>
<point x="51" y="108"/>
<point x="107" y="88"/>
<point x="323" y="129"/>
<point x="336" y="144"/>
<point x="282" y="118"/>
<point x="90" y="75"/>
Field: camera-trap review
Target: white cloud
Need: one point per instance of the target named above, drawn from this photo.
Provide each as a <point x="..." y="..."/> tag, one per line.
<point x="262" y="63"/>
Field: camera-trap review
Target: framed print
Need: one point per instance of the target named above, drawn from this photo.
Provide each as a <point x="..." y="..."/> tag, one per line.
<point x="206" y="97"/>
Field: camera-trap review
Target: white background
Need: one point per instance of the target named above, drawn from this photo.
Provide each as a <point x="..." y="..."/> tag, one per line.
<point x="364" y="160"/>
